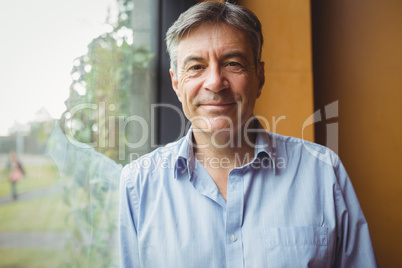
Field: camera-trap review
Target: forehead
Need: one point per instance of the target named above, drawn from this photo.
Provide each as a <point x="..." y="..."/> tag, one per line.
<point x="213" y="38"/>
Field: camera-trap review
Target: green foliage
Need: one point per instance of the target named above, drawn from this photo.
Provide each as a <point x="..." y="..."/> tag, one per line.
<point x="90" y="182"/>
<point x="92" y="195"/>
<point x="105" y="78"/>
<point x="104" y="83"/>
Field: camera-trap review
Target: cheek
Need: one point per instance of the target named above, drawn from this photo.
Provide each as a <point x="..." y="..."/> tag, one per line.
<point x="241" y="88"/>
<point x="181" y="84"/>
<point x="189" y="88"/>
<point x="246" y="91"/>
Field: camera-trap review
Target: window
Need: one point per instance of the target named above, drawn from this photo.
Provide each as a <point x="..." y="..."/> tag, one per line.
<point x="90" y="66"/>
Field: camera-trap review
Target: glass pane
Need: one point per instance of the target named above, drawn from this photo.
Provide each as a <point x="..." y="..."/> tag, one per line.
<point x="78" y="80"/>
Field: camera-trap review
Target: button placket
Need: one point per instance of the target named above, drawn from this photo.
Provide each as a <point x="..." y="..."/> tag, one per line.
<point x="234" y="205"/>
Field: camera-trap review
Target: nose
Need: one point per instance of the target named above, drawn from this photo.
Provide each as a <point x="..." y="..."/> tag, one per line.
<point x="215" y="80"/>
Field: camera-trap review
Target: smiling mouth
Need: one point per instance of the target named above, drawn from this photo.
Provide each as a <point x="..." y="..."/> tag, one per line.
<point x="218" y="104"/>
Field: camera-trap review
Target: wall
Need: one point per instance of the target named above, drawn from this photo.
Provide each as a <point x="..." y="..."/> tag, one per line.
<point x="288" y="90"/>
<point x="358" y="61"/>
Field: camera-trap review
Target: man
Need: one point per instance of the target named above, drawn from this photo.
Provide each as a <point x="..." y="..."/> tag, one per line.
<point x="229" y="194"/>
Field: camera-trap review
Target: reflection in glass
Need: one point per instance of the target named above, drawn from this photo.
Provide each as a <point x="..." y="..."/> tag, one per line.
<point x="66" y="211"/>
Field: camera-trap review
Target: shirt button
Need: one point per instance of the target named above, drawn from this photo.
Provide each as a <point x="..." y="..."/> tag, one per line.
<point x="233" y="238"/>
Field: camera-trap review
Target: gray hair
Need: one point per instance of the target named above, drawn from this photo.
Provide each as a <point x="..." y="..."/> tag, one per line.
<point x="214" y="12"/>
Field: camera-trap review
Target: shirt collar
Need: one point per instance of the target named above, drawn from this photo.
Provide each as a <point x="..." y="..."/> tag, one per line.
<point x="263" y="144"/>
<point x="186" y="160"/>
<point x="185" y="155"/>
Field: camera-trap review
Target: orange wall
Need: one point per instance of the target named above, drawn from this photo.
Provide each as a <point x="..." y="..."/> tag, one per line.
<point x="288" y="90"/>
<point x="358" y="61"/>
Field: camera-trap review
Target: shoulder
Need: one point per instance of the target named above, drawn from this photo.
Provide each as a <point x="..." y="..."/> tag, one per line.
<point x="313" y="164"/>
<point x="298" y="149"/>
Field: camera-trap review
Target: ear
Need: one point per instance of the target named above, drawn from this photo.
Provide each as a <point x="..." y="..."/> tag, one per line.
<point x="175" y="84"/>
<point x="261" y="77"/>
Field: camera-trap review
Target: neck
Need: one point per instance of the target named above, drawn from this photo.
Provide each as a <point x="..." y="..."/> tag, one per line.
<point x="226" y="146"/>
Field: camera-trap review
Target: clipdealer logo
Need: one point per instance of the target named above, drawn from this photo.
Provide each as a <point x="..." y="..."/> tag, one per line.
<point x="146" y="134"/>
<point x="330" y="111"/>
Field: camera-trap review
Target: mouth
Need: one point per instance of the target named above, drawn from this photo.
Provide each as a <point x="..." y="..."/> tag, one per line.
<point x="225" y="103"/>
<point x="218" y="106"/>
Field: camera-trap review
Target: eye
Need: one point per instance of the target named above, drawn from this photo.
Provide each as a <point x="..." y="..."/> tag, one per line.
<point x="195" y="68"/>
<point x="234" y="66"/>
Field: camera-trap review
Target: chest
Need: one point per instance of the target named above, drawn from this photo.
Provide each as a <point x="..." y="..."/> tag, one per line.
<point x="220" y="177"/>
<point x="263" y="223"/>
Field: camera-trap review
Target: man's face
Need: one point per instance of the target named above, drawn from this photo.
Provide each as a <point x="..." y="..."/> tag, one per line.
<point x="217" y="82"/>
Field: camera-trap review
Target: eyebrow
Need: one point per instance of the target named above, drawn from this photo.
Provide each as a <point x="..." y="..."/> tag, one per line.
<point x="190" y="58"/>
<point x="231" y="54"/>
<point x="235" y="54"/>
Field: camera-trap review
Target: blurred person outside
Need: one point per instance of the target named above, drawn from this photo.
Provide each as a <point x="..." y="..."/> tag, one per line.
<point x="229" y="193"/>
<point x="16" y="173"/>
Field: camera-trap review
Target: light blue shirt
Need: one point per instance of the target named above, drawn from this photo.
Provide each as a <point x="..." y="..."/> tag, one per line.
<point x="293" y="205"/>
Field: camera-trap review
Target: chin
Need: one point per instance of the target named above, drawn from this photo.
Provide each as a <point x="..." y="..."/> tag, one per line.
<point x="223" y="125"/>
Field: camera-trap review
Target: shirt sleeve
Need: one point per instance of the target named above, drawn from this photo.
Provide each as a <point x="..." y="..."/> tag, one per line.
<point x="354" y="247"/>
<point x="128" y="242"/>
